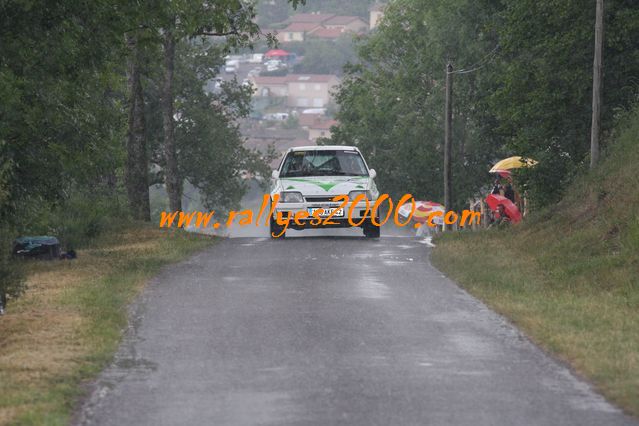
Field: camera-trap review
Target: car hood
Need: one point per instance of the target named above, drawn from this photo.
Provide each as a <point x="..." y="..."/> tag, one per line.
<point x="325" y="185"/>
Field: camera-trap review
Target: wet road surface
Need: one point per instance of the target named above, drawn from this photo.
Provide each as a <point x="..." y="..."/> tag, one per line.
<point x="328" y="330"/>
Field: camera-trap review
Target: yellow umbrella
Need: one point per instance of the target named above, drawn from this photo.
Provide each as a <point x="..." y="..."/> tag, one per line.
<point x="512" y="163"/>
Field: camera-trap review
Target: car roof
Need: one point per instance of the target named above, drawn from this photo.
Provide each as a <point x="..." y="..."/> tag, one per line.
<point x="324" y="148"/>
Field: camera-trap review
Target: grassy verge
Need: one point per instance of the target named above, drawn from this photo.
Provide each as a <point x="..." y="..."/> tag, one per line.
<point x="569" y="277"/>
<point x="68" y="325"/>
<point x="592" y="324"/>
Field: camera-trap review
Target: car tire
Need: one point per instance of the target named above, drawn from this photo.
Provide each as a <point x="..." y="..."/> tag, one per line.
<point x="371" y="231"/>
<point x="275" y="229"/>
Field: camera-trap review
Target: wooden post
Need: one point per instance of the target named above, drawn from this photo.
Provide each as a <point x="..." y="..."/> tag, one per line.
<point x="448" y="141"/>
<point x="484" y="216"/>
<point x="471" y="207"/>
<point x="597" y="72"/>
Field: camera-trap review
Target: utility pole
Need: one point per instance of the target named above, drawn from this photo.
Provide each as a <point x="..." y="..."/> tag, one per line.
<point x="597" y="71"/>
<point x="448" y="131"/>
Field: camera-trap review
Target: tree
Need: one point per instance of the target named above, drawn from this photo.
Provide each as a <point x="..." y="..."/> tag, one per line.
<point x="522" y="87"/>
<point x="60" y="117"/>
<point x="391" y="102"/>
<point x="207" y="133"/>
<point x="173" y="180"/>
<point x="595" y="133"/>
<point x="212" y="157"/>
<point x="229" y="21"/>
<point x="136" y="170"/>
<point x="232" y="19"/>
<point x="543" y="101"/>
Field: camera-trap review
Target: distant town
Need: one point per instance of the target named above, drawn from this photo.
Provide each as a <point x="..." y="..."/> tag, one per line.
<point x="293" y="102"/>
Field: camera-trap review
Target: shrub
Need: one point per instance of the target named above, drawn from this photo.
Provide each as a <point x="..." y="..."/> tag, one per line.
<point x="546" y="181"/>
<point x="82" y="218"/>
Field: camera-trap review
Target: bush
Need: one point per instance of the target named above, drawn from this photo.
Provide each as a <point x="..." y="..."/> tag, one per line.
<point x="74" y="221"/>
<point x="81" y="219"/>
<point x="546" y="181"/>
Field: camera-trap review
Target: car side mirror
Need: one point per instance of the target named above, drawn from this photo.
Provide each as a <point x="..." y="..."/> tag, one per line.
<point x="372" y="173"/>
<point x="275" y="174"/>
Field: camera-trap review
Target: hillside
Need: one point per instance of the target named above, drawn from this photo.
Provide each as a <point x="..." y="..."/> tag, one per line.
<point x="569" y="277"/>
<point x="275" y="11"/>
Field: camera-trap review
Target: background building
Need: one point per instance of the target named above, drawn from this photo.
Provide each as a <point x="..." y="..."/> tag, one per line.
<point x="376" y="13"/>
<point x="300" y="90"/>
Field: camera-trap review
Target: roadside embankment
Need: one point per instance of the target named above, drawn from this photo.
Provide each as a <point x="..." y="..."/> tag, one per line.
<point x="569" y="277"/>
<point x="68" y="324"/>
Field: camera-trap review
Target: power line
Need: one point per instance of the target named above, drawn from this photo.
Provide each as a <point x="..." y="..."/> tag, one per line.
<point x="479" y="65"/>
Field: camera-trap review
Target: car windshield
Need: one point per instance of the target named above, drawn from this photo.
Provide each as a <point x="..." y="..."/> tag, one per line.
<point x="323" y="163"/>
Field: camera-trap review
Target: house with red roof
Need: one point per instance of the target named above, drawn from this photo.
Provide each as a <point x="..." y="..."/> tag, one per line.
<point x="320" y="129"/>
<point x="270" y="86"/>
<point x="296" y="31"/>
<point x="327" y="33"/>
<point x="319" y="25"/>
<point x="353" y="24"/>
<point x="307" y="120"/>
<point x="317" y="125"/>
<point x="316" y="18"/>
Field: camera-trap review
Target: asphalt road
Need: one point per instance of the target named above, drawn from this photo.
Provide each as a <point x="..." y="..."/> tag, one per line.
<point x="323" y="330"/>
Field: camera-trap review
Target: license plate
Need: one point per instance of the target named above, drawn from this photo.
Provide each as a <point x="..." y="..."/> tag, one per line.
<point x="327" y="211"/>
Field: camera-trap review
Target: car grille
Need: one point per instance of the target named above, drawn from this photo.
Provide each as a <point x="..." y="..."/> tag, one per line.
<point x="324" y="199"/>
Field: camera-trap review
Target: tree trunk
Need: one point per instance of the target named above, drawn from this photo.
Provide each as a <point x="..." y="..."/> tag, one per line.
<point x="136" y="172"/>
<point x="173" y="180"/>
<point x="597" y="77"/>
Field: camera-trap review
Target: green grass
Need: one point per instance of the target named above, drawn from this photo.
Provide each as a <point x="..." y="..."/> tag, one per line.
<point x="569" y="277"/>
<point x="67" y="326"/>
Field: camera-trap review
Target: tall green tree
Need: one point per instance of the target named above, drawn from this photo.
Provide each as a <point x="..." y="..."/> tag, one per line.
<point x="391" y="102"/>
<point x="522" y="87"/>
<point x="544" y="97"/>
<point x="136" y="175"/>
<point x="61" y="114"/>
<point x="207" y="135"/>
<point x="234" y="20"/>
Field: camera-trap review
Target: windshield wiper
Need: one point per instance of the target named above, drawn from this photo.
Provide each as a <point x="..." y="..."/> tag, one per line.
<point x="331" y="172"/>
<point x="292" y="174"/>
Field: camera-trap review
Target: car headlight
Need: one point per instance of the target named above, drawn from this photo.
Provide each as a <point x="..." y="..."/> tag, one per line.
<point x="291" y="197"/>
<point x="354" y="194"/>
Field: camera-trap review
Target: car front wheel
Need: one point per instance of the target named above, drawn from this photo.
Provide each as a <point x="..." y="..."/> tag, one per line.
<point x="371" y="231"/>
<point x="275" y="230"/>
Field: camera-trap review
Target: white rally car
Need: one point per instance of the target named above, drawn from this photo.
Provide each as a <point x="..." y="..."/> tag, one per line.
<point x="310" y="177"/>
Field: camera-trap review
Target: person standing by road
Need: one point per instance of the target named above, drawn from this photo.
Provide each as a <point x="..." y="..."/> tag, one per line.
<point x="497" y="188"/>
<point x="509" y="193"/>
